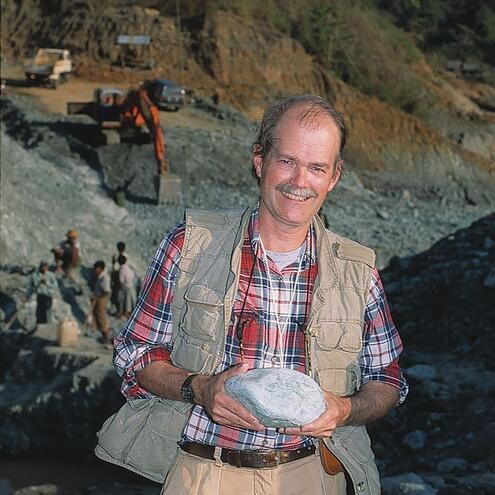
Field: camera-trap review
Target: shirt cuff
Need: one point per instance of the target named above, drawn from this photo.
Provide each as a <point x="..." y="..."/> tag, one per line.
<point x="391" y="375"/>
<point x="131" y="387"/>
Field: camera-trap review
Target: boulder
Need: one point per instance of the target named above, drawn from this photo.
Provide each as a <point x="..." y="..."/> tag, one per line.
<point x="278" y="397"/>
<point x="410" y="484"/>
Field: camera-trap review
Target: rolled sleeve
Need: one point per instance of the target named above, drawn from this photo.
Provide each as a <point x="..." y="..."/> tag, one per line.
<point x="382" y="344"/>
<point x="147" y="334"/>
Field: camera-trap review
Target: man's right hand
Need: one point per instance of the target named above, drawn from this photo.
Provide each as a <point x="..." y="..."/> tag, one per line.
<point x="222" y="408"/>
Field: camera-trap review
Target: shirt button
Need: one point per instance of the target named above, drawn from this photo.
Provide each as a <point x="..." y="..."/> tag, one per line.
<point x="275" y="360"/>
<point x="264" y="442"/>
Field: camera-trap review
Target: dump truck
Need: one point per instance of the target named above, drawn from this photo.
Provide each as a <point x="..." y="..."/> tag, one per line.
<point x="50" y="66"/>
<point x="126" y="116"/>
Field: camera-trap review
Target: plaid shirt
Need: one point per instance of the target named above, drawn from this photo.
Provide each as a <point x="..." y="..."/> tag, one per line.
<point x="147" y="335"/>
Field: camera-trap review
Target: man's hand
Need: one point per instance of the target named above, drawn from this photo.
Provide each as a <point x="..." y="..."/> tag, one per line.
<point x="372" y="402"/>
<point x="222" y="408"/>
<point x="336" y="414"/>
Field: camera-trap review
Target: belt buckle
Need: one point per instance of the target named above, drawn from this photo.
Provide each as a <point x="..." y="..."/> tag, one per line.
<point x="271" y="459"/>
<point x="283" y="456"/>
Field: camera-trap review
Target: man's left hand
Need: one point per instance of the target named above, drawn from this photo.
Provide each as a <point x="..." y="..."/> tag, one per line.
<point x="336" y="414"/>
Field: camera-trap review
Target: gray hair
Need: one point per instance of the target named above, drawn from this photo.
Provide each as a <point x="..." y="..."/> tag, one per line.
<point x="313" y="106"/>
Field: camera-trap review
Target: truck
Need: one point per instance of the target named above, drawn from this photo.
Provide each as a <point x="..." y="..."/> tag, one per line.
<point x="49" y="66"/>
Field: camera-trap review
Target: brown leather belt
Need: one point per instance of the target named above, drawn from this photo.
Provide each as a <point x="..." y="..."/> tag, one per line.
<point x="248" y="458"/>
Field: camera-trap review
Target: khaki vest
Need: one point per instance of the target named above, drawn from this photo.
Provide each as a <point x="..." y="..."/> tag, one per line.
<point x="204" y="295"/>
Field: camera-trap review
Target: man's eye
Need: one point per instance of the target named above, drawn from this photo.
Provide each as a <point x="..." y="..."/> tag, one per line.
<point x="318" y="169"/>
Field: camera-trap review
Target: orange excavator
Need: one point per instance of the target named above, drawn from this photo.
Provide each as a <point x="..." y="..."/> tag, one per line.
<point x="125" y="116"/>
<point x="138" y="110"/>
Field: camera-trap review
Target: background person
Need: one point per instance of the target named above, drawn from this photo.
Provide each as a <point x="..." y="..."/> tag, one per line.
<point x="99" y="300"/>
<point x="44" y="284"/>
<point x="127" y="288"/>
<point x="68" y="254"/>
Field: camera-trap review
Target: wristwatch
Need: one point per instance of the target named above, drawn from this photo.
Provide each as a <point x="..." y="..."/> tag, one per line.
<point x="186" y="389"/>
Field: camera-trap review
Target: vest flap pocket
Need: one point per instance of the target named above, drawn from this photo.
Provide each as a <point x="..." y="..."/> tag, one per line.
<point x="203" y="313"/>
<point x="155" y="445"/>
<point x="345" y="336"/>
<point x="168" y="421"/>
<point x="334" y="380"/>
<point x="144" y="433"/>
<point x="200" y="294"/>
<point x="190" y="354"/>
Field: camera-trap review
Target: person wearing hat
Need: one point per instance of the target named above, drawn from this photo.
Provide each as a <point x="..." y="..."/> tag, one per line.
<point x="44" y="284"/>
<point x="68" y="254"/>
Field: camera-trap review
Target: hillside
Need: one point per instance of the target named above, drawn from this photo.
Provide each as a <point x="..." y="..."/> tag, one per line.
<point x="348" y="51"/>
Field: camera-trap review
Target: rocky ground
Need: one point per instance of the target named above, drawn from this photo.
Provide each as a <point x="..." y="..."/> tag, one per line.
<point x="54" y="177"/>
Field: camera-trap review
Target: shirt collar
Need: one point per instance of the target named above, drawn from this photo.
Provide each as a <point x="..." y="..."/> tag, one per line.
<point x="257" y="247"/>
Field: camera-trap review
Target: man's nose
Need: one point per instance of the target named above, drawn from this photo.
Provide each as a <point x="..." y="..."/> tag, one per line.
<point x="300" y="177"/>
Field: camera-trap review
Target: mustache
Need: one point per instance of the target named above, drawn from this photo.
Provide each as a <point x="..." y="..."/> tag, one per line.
<point x="288" y="188"/>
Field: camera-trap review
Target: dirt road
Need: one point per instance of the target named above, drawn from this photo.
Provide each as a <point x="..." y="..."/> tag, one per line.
<point x="55" y="100"/>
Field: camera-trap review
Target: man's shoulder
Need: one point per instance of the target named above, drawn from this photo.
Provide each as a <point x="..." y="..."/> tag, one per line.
<point x="347" y="249"/>
<point x="212" y="218"/>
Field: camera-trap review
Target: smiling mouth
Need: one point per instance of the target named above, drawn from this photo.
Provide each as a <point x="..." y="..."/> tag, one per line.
<point x="289" y="191"/>
<point x="294" y="196"/>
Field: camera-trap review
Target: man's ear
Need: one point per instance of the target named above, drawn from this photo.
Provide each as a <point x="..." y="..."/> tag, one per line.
<point x="257" y="159"/>
<point x="336" y="175"/>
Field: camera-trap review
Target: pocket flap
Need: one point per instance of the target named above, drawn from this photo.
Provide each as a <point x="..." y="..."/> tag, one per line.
<point x="346" y="336"/>
<point x="203" y="295"/>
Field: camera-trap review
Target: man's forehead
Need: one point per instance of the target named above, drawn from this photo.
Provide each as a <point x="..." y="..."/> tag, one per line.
<point x="307" y="116"/>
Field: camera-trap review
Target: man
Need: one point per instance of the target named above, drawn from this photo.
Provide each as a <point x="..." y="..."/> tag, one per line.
<point x="126" y="299"/>
<point x="99" y="300"/>
<point x="270" y="287"/>
<point x="44" y="284"/>
<point x="114" y="277"/>
<point x="68" y="254"/>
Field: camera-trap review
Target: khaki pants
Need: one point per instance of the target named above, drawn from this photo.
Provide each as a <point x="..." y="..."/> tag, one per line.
<point x="100" y="314"/>
<point x="191" y="475"/>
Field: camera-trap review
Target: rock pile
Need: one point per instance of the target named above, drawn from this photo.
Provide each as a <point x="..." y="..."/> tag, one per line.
<point x="442" y="301"/>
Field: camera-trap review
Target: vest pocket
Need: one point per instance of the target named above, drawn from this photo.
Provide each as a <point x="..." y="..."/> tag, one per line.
<point x="192" y="355"/>
<point x="345" y="336"/>
<point x="338" y="381"/>
<point x="143" y="435"/>
<point x="203" y="311"/>
<point x="156" y="443"/>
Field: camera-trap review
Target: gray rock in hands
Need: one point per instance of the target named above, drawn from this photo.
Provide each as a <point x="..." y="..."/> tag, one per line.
<point x="278" y="397"/>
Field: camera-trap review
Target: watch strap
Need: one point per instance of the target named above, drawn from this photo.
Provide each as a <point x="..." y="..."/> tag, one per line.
<point x="186" y="389"/>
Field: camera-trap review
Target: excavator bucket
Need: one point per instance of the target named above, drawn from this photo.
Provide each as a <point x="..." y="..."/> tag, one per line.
<point x="169" y="188"/>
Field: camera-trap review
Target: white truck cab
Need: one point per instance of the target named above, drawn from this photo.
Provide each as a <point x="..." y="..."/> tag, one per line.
<point x="49" y="65"/>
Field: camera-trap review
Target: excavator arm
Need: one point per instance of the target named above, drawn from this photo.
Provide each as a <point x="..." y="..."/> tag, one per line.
<point x="139" y="109"/>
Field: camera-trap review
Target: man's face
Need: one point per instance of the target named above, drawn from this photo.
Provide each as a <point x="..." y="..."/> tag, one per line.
<point x="299" y="171"/>
<point x="98" y="271"/>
